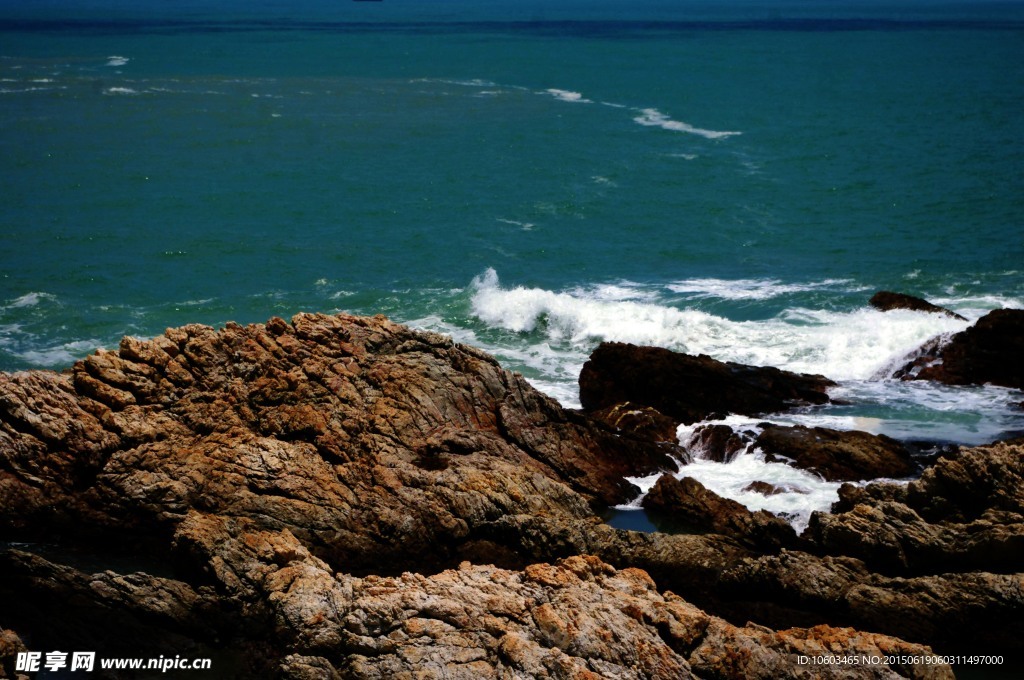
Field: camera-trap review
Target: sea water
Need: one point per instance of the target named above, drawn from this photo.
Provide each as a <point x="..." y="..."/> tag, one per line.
<point x="720" y="177"/>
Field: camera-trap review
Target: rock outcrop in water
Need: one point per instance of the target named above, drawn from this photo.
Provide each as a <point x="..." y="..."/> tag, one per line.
<point x="692" y="507"/>
<point x="691" y="388"/>
<point x="990" y="351"/>
<point x="343" y="497"/>
<point x="886" y="301"/>
<point x="836" y="455"/>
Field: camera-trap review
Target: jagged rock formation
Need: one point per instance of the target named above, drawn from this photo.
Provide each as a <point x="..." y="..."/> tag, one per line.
<point x="301" y="494"/>
<point x="579" y="618"/>
<point x="990" y="351"/>
<point x="688" y="388"/>
<point x="342" y="429"/>
<point x="887" y="300"/>
<point x="964" y="513"/>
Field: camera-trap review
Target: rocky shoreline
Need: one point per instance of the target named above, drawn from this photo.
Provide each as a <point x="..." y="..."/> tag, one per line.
<point x="343" y="497"/>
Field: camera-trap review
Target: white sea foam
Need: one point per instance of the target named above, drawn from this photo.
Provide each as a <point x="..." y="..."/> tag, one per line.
<point x="21" y="90"/>
<point x="800" y="493"/>
<point x="117" y="61"/>
<point x="754" y="289"/>
<point x="61" y="355"/>
<point x="30" y="300"/>
<point x="471" y="82"/>
<point x="120" y="91"/>
<point x="655" y="118"/>
<point x="975" y="306"/>
<point x="568" y="96"/>
<point x="841" y="345"/>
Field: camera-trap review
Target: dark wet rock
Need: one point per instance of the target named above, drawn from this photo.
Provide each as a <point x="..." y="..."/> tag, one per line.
<point x="990" y="351"/>
<point x="644" y="424"/>
<point x="640" y="420"/>
<point x="766" y="489"/>
<point x="691" y="388"/>
<point x="887" y="301"/>
<point x="694" y="508"/>
<point x="836" y="455"/>
<point x="719" y="443"/>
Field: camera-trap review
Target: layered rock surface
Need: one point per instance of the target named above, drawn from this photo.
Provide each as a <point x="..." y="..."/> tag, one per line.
<point x="375" y="444"/>
<point x="578" y="618"/>
<point x="302" y="493"/>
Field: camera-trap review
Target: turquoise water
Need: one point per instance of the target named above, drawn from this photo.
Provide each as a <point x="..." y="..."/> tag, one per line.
<point x="734" y="178"/>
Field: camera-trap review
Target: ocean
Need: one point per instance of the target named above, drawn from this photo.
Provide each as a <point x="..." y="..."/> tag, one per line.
<point x="733" y="178"/>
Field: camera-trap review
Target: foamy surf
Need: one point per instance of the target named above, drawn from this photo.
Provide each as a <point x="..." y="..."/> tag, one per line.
<point x="553" y="333"/>
<point x="841" y="345"/>
<point x="568" y="96"/>
<point x="655" y="118"/>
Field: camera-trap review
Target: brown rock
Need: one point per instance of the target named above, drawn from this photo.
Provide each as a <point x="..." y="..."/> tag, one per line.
<point x="578" y="618"/>
<point x="694" y="508"/>
<point x="990" y="351"/>
<point x="836" y="455"/>
<point x="340" y="428"/>
<point x="963" y="514"/>
<point x="247" y="467"/>
<point x="10" y="646"/>
<point x="689" y="388"/>
<point x="765" y="489"/>
<point x="957" y="612"/>
<point x="887" y="301"/>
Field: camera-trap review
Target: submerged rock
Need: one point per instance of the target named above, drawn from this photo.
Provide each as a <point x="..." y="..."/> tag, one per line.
<point x="719" y="443"/>
<point x="887" y="301"/>
<point x="691" y="388"/>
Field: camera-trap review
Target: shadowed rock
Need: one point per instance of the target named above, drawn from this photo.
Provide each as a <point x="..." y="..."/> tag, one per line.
<point x="690" y="388"/>
<point x="695" y="508"/>
<point x="887" y="301"/>
<point x="578" y="617"/>
<point x="990" y="351"/>
<point x="836" y="455"/>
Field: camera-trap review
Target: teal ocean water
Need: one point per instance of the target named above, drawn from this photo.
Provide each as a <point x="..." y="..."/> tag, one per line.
<point x="731" y="178"/>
